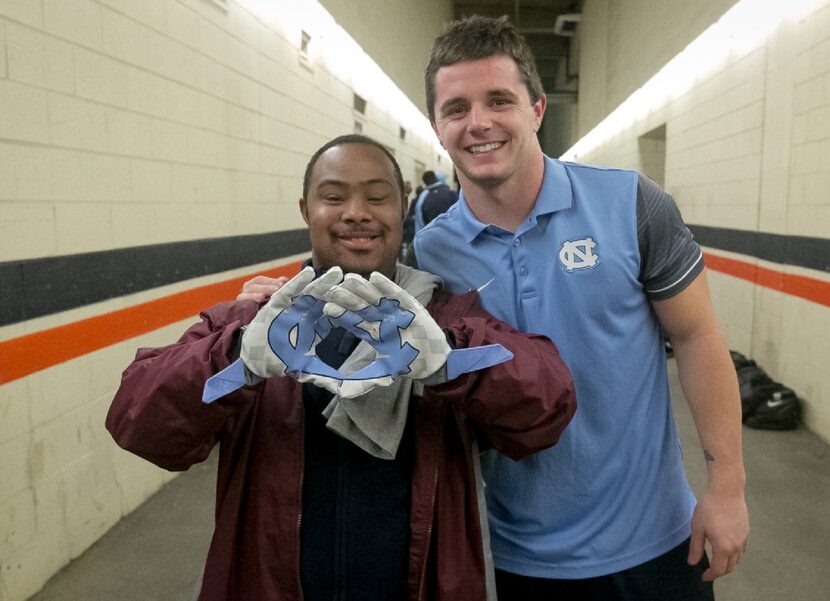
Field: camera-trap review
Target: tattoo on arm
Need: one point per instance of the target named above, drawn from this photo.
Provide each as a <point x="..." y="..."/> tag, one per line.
<point x="708" y="455"/>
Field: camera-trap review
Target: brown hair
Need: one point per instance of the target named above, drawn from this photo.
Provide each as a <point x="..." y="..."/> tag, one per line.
<point x="475" y="38"/>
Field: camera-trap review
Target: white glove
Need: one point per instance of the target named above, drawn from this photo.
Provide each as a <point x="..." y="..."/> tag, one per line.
<point x="282" y="336"/>
<point x="409" y="342"/>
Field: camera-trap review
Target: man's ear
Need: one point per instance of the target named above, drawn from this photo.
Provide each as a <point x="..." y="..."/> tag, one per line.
<point x="539" y="111"/>
<point x="304" y="210"/>
<point x="435" y="129"/>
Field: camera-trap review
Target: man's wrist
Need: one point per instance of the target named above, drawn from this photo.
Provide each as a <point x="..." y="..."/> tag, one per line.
<point x="726" y="477"/>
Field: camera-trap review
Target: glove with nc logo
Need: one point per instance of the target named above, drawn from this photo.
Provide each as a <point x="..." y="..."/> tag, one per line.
<point x="408" y="341"/>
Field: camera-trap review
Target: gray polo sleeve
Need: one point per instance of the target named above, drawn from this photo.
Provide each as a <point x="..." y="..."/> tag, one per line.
<point x="670" y="259"/>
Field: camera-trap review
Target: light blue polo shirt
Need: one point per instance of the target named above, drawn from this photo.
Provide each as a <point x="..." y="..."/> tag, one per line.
<point x="612" y="494"/>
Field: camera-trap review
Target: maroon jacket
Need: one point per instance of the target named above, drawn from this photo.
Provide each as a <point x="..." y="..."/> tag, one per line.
<point x="517" y="407"/>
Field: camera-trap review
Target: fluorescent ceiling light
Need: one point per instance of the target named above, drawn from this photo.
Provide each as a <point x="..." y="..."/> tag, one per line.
<point x="332" y="48"/>
<point x="742" y="29"/>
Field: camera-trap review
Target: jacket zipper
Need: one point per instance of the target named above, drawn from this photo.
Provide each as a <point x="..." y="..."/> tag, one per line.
<point x="297" y="549"/>
<point x="432" y="503"/>
<point x="340" y="528"/>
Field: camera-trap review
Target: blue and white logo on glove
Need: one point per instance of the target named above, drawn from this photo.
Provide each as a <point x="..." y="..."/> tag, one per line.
<point x="408" y="342"/>
<point x="295" y="331"/>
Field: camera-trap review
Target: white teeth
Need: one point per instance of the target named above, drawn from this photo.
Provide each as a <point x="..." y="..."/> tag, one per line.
<point x="485" y="147"/>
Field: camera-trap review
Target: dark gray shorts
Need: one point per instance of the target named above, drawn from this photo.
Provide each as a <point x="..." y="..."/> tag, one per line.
<point x="667" y="577"/>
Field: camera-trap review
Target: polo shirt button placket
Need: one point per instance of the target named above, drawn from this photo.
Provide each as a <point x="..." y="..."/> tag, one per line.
<point x="523" y="271"/>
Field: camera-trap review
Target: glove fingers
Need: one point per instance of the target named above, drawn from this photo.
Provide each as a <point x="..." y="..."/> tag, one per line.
<point x="346" y="299"/>
<point x="255" y="351"/>
<point x="362" y="288"/>
<point x="354" y="388"/>
<point x="330" y="384"/>
<point x="321" y="285"/>
<point x="332" y="309"/>
<point x="293" y="286"/>
<point x="386" y="287"/>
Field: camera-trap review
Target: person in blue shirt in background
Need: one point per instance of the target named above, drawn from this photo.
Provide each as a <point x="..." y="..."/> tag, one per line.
<point x="436" y="198"/>
<point x="600" y="261"/>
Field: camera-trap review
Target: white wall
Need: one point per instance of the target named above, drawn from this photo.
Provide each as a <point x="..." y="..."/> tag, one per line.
<point x="624" y="43"/>
<point x="398" y="33"/>
<point x="126" y="123"/>
<point x="748" y="149"/>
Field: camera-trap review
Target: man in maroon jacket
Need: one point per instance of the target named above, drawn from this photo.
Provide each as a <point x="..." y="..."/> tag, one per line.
<point x="322" y="494"/>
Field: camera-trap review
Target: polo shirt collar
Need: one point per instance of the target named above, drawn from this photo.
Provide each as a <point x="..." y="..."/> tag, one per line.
<point x="471" y="227"/>
<point x="556" y="194"/>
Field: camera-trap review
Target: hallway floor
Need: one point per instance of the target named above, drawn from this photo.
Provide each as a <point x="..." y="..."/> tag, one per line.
<point x="156" y="553"/>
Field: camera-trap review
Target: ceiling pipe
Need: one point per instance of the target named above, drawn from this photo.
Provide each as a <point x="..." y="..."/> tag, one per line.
<point x="561" y="27"/>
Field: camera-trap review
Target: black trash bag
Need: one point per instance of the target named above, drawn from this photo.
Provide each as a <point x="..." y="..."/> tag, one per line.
<point x="739" y="360"/>
<point x="772" y="407"/>
<point x="750" y="378"/>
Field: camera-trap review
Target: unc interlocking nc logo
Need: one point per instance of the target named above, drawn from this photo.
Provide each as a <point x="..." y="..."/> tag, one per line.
<point x="578" y="254"/>
<point x="293" y="335"/>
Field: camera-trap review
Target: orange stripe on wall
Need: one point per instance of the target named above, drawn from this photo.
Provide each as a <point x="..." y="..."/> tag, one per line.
<point x="810" y="289"/>
<point x="27" y="354"/>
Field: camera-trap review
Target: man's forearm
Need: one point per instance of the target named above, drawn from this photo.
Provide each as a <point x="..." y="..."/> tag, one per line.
<point x="710" y="386"/>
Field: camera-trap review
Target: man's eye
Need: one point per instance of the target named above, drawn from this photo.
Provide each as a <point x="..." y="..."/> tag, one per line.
<point x="332" y="198"/>
<point x="501" y="101"/>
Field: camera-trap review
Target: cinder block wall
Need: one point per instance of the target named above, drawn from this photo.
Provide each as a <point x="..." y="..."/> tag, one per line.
<point x="128" y="130"/>
<point x="747" y="158"/>
<point x="397" y="33"/>
<point x="622" y="44"/>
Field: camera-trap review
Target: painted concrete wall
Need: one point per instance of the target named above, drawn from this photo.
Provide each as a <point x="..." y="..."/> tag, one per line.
<point x="397" y="33"/>
<point x="624" y="43"/>
<point x="747" y="149"/>
<point x="128" y="123"/>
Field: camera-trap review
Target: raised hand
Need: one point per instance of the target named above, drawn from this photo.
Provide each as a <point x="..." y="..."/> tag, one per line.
<point x="285" y="330"/>
<point x="409" y="342"/>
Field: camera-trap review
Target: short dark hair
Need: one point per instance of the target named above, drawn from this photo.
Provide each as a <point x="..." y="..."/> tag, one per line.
<point x="474" y="38"/>
<point x="429" y="177"/>
<point x="351" y="139"/>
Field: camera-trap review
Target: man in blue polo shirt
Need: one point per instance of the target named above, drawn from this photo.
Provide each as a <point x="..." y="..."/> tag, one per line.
<point x="601" y="262"/>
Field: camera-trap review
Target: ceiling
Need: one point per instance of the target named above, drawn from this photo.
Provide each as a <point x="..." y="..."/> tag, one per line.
<point x="536" y="20"/>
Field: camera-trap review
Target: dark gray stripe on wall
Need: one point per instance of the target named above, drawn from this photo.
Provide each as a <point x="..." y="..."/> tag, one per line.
<point x="37" y="287"/>
<point x="801" y="251"/>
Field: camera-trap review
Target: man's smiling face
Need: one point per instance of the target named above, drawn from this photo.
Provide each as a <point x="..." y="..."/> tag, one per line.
<point x="354" y="210"/>
<point x="485" y="119"/>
